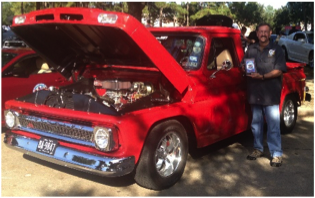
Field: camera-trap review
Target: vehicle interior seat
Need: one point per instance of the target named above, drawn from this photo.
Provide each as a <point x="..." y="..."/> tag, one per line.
<point x="42" y="66"/>
<point x="224" y="56"/>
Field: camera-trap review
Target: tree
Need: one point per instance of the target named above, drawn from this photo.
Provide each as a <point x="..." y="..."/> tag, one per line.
<point x="268" y="15"/>
<point x="7" y="14"/>
<point x="281" y="18"/>
<point x="247" y="13"/>
<point x="37" y="5"/>
<point x="210" y="8"/>
<point x="161" y="6"/>
<point x="301" y="11"/>
<point x="135" y="9"/>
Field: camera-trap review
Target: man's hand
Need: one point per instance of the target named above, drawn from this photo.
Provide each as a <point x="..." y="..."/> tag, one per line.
<point x="255" y="76"/>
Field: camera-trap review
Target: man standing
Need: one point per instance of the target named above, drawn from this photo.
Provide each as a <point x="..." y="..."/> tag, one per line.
<point x="264" y="90"/>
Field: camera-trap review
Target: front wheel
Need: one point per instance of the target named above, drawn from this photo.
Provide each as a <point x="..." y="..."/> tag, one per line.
<point x="288" y="114"/>
<point x="164" y="156"/>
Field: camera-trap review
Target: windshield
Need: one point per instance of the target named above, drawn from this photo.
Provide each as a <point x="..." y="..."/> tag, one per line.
<point x="187" y="50"/>
<point x="6" y="57"/>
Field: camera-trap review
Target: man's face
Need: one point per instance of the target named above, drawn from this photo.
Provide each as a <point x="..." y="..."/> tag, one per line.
<point x="263" y="34"/>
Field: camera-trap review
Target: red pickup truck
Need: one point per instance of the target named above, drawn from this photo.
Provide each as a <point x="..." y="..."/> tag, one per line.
<point x="140" y="98"/>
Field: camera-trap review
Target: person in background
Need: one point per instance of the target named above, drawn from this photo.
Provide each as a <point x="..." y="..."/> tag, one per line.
<point x="252" y="37"/>
<point x="148" y="23"/>
<point x="243" y="37"/>
<point x="281" y="33"/>
<point x="263" y="93"/>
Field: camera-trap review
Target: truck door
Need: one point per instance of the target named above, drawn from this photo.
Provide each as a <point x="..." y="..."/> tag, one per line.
<point x="227" y="88"/>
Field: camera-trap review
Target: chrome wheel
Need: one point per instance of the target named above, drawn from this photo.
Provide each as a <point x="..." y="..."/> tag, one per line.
<point x="168" y="154"/>
<point x="289" y="113"/>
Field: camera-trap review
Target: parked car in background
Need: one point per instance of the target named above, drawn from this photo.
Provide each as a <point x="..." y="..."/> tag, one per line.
<point x="8" y="35"/>
<point x="273" y="38"/>
<point x="299" y="46"/>
<point x="22" y="70"/>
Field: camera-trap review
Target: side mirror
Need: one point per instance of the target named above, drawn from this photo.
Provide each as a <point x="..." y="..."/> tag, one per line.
<point x="227" y="65"/>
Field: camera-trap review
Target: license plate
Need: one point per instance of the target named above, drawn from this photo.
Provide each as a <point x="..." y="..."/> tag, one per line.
<point x="47" y="146"/>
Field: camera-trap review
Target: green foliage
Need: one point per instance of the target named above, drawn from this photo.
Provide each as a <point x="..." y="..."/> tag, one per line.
<point x="7" y="14"/>
<point x="281" y="18"/>
<point x="301" y="11"/>
<point x="243" y="13"/>
<point x="268" y="15"/>
<point x="247" y="13"/>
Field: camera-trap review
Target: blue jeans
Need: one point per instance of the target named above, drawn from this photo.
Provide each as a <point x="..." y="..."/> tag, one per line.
<point x="272" y="116"/>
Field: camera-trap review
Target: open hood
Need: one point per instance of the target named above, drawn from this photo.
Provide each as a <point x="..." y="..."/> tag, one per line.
<point x="69" y="38"/>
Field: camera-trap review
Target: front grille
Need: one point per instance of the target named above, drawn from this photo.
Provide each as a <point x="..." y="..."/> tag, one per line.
<point x="58" y="128"/>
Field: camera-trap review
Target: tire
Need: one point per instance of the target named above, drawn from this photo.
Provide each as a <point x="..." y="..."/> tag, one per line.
<point x="311" y="60"/>
<point x="285" y="53"/>
<point x="166" y="145"/>
<point x="288" y="115"/>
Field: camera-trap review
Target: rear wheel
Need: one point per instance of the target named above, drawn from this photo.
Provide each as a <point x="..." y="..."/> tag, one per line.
<point x="288" y="114"/>
<point x="164" y="156"/>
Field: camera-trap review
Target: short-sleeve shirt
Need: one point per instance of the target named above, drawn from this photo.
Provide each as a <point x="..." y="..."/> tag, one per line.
<point x="268" y="91"/>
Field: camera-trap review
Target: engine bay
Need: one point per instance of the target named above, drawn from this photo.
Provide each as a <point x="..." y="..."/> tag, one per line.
<point x="108" y="96"/>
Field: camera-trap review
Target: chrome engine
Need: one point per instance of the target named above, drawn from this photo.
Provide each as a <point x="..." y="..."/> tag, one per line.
<point x="118" y="93"/>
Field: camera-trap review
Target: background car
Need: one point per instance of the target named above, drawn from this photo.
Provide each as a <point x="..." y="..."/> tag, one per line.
<point x="299" y="47"/>
<point x="22" y="70"/>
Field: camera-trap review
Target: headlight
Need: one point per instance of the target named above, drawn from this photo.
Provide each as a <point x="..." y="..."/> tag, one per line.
<point x="105" y="139"/>
<point x="9" y="119"/>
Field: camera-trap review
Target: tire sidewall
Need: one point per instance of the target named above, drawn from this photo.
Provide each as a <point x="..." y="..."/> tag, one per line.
<point x="147" y="164"/>
<point x="284" y="128"/>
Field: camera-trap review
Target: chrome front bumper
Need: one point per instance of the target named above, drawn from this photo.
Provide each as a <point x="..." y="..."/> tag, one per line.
<point x="64" y="156"/>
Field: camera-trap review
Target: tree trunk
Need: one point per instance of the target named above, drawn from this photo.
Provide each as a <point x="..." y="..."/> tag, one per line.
<point x="22" y="10"/>
<point x="85" y="4"/>
<point x="174" y="20"/>
<point x="187" y="20"/>
<point x="161" y="17"/>
<point x="135" y="9"/>
<point x="37" y="5"/>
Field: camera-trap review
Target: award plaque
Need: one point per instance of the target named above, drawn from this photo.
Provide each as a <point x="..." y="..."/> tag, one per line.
<point x="250" y="65"/>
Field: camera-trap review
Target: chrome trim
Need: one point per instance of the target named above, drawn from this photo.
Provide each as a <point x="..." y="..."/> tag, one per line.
<point x="51" y="134"/>
<point x="168" y="154"/>
<point x="59" y="137"/>
<point x="64" y="156"/>
<point x="289" y="113"/>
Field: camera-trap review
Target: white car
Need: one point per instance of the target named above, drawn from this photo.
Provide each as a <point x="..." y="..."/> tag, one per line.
<point x="299" y="46"/>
